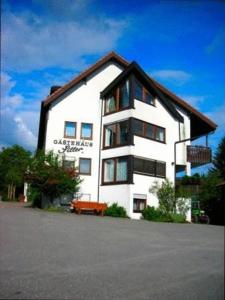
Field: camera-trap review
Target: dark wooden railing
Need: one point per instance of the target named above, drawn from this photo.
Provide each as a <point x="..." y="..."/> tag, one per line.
<point x="199" y="155"/>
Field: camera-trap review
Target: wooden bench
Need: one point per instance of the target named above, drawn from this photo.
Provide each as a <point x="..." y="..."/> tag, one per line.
<point x="96" y="207"/>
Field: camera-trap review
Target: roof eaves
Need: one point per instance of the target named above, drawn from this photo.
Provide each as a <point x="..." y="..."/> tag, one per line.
<point x="110" y="56"/>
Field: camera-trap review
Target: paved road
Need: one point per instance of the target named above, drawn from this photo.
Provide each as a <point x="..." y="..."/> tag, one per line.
<point x="65" y="256"/>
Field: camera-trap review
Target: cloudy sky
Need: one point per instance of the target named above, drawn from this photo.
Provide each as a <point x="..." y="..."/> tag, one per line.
<point x="47" y="42"/>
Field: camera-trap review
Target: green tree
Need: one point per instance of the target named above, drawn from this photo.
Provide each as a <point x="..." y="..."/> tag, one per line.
<point x="170" y="202"/>
<point x="13" y="164"/>
<point x="219" y="159"/>
<point x="49" y="180"/>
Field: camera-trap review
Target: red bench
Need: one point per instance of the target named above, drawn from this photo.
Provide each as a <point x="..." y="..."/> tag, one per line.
<point x="96" y="207"/>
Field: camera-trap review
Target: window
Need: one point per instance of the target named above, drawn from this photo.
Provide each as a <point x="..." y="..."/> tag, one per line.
<point x="124" y="95"/>
<point x="149" y="167"/>
<point x="119" y="99"/>
<point x="110" y="104"/>
<point x="142" y="94"/>
<point x="160" y="169"/>
<point x="68" y="164"/>
<point x="139" y="205"/>
<point x="115" y="170"/>
<point x="116" y="134"/>
<point x="160" y="134"/>
<point x="70" y="129"/>
<point x="148" y="130"/>
<point x="85" y="166"/>
<point x="86" y="131"/>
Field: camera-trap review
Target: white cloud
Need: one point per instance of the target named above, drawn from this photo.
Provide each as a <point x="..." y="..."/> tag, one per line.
<point x="17" y="125"/>
<point x="178" y="77"/>
<point x="218" y="42"/>
<point x="29" y="42"/>
<point x="193" y="100"/>
<point x="25" y="134"/>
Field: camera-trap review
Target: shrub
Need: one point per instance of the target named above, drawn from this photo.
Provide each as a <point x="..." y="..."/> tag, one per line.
<point x="116" y="211"/>
<point x="157" y="215"/>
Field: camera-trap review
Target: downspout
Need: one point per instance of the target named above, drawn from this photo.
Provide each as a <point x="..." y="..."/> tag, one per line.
<point x="99" y="156"/>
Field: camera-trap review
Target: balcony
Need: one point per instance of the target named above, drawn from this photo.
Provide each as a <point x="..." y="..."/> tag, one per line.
<point x="199" y="155"/>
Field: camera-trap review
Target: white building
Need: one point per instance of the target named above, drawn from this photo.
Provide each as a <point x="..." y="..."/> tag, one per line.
<point x="123" y="130"/>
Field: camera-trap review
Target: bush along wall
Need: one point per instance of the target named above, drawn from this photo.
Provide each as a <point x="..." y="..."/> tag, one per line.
<point x="116" y="211"/>
<point x="151" y="213"/>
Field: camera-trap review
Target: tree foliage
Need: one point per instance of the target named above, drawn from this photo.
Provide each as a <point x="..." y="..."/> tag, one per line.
<point x="47" y="178"/>
<point x="170" y="201"/>
<point x="219" y="159"/>
<point x="13" y="164"/>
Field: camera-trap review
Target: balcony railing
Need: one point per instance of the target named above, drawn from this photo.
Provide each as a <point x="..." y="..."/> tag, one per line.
<point x="199" y="155"/>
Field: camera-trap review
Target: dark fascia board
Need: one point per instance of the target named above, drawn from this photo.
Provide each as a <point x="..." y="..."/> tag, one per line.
<point x="112" y="56"/>
<point x="42" y="127"/>
<point x="135" y="69"/>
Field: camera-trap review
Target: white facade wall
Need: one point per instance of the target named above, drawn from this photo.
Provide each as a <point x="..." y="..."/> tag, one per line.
<point x="82" y="104"/>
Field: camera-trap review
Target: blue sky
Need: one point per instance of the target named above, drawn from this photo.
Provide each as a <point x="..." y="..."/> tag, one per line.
<point x="45" y="42"/>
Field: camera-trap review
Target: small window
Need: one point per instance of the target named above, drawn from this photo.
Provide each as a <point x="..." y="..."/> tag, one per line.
<point x="138" y="127"/>
<point x="139" y="205"/>
<point x="137" y="91"/>
<point x="85" y="166"/>
<point x="149" y="99"/>
<point x="160" y="169"/>
<point x="70" y="129"/>
<point x="124" y="95"/>
<point x="109" y="170"/>
<point x="86" y="131"/>
<point x="160" y="134"/>
<point x="110" y="135"/>
<point x="68" y="164"/>
<point x="110" y="104"/>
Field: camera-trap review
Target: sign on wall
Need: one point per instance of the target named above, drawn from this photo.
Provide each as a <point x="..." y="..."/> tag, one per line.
<point x="71" y="145"/>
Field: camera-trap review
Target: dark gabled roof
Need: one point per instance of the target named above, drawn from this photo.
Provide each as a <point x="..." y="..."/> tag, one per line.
<point x="112" y="56"/>
<point x="135" y="69"/>
<point x="197" y="117"/>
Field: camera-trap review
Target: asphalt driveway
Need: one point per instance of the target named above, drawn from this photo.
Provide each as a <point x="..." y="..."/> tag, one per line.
<point x="64" y="256"/>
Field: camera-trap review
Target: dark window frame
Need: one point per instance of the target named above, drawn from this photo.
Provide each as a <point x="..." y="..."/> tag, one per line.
<point x="70" y="136"/>
<point x="155" y="127"/>
<point x="116" y="124"/>
<point x="138" y="205"/>
<point x="85" y="158"/>
<point x="144" y="92"/>
<point x="66" y="167"/>
<point x="85" y="138"/>
<point x="116" y="93"/>
<point x="129" y="179"/>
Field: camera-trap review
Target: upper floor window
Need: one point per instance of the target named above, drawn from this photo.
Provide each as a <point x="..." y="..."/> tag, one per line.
<point x="142" y="94"/>
<point x="116" y="134"/>
<point x="149" y="131"/>
<point x="70" y="129"/>
<point x="119" y="99"/>
<point x="86" y="131"/>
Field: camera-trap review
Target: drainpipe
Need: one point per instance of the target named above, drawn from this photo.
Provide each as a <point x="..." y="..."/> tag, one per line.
<point x="99" y="156"/>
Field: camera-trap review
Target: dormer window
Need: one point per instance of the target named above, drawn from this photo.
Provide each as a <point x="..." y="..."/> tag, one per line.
<point x="119" y="99"/>
<point x="142" y="94"/>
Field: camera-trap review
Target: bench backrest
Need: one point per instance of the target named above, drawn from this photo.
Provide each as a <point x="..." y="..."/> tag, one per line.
<point x="89" y="204"/>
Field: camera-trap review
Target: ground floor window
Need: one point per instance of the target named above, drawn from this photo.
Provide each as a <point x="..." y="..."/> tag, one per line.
<point x="85" y="166"/>
<point x="115" y="170"/>
<point x="139" y="205"/>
